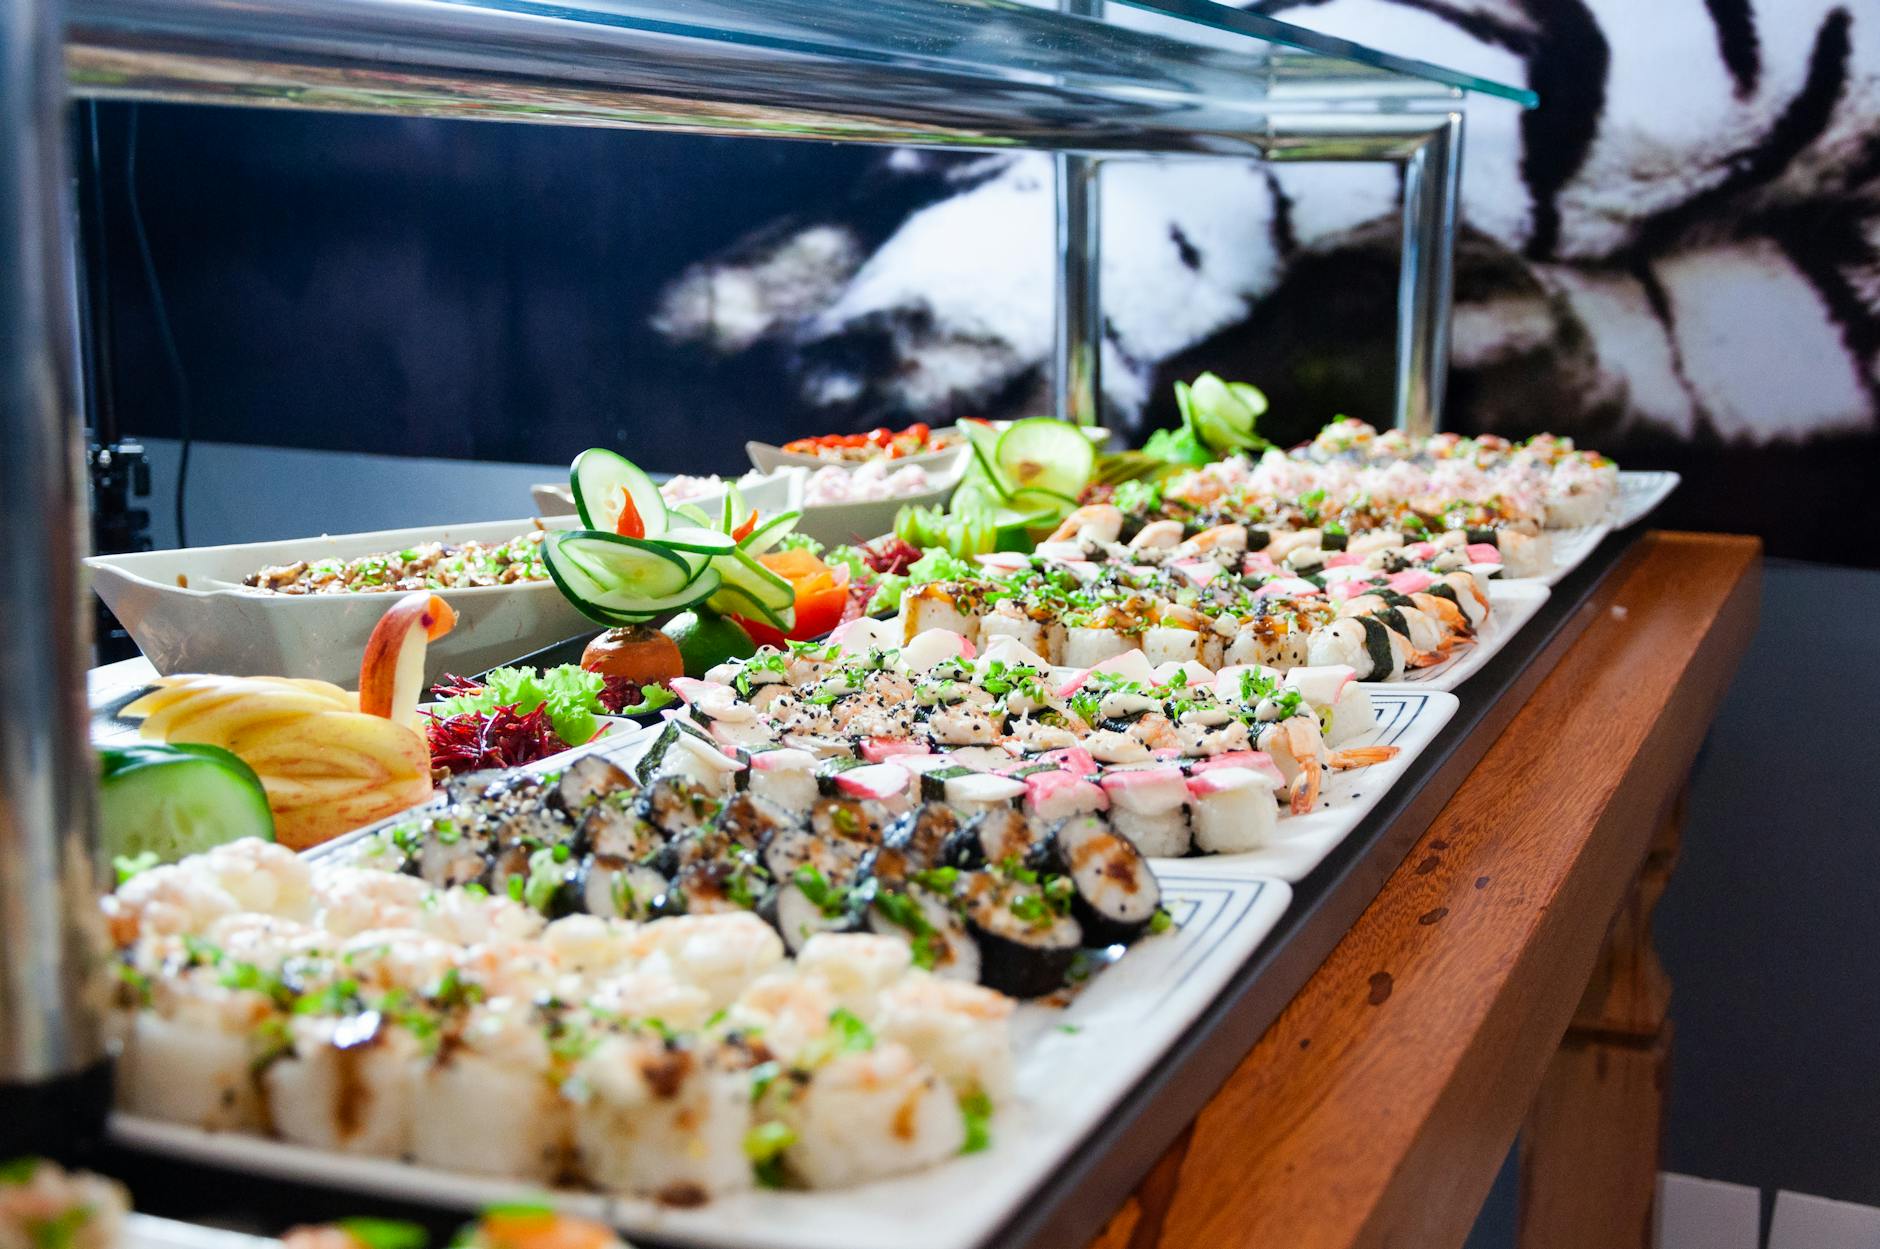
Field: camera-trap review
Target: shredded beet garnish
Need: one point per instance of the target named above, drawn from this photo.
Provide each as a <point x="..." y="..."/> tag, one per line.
<point x="620" y="692"/>
<point x="890" y="555"/>
<point x="498" y="739"/>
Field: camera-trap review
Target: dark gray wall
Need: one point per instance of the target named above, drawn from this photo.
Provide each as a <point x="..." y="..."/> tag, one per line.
<point x="1772" y="921"/>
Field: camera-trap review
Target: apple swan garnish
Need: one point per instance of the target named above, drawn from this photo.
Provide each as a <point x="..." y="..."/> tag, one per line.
<point x="391" y="676"/>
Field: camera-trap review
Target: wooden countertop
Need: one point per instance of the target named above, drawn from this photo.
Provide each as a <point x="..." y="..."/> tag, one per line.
<point x="1378" y="1108"/>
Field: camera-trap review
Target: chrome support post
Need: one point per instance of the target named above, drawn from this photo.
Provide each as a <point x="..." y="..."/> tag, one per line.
<point x="1077" y="324"/>
<point x="52" y="1072"/>
<point x="1077" y="349"/>
<point x="1428" y="146"/>
<point x="1432" y="193"/>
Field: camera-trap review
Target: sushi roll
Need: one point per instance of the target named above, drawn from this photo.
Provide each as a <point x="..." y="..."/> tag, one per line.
<point x="720" y="954"/>
<point x="617" y="888"/>
<point x="486" y="1103"/>
<point x="189" y="1057"/>
<point x="1086" y="646"/>
<point x="1233" y="810"/>
<point x="962" y="1031"/>
<point x="1362" y="643"/>
<point x="939" y="605"/>
<point x="784" y="776"/>
<point x="661" y="1120"/>
<point x="869" y="1114"/>
<point x="1008" y="619"/>
<point x="587" y="780"/>
<point x="908" y="899"/>
<point x="998" y="837"/>
<point x="1116" y="893"/>
<point x="1025" y="944"/>
<point x="349" y="1084"/>
<point x="1172" y="643"/>
<point x="921" y="835"/>
<point x="1149" y="807"/>
<point x="674" y="806"/>
<point x="857" y="967"/>
<point x="1343" y="704"/>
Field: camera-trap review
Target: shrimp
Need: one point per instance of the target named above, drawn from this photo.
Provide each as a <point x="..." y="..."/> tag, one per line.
<point x="1220" y="540"/>
<point x="1157" y="534"/>
<point x="1361" y="757"/>
<point x="1295" y="741"/>
<point x="1155" y="731"/>
<point x="1095" y="522"/>
<point x="1444" y="610"/>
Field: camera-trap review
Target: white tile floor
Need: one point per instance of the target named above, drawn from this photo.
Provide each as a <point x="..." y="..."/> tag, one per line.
<point x="1709" y="1214"/>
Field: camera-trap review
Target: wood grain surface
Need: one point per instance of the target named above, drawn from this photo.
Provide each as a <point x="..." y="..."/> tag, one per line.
<point x="1379" y="1106"/>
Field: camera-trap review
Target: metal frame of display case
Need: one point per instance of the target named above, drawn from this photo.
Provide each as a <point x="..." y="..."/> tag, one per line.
<point x="1089" y="80"/>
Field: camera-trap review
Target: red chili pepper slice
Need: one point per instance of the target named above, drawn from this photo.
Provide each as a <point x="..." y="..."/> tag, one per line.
<point x="629" y="525"/>
<point x="744" y="531"/>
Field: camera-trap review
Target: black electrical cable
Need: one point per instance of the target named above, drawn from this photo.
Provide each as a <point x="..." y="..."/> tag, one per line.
<point x="162" y="318"/>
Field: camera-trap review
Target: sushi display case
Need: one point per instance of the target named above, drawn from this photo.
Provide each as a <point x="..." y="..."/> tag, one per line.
<point x="1126" y="1046"/>
<point x="1153" y="1066"/>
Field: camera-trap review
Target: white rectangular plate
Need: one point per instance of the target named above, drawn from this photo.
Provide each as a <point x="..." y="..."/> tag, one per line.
<point x="1511" y="604"/>
<point x="1406" y="719"/>
<point x="1075" y="1064"/>
<point x="144" y="1231"/>
<point x="1571" y="547"/>
<point x="1639" y="495"/>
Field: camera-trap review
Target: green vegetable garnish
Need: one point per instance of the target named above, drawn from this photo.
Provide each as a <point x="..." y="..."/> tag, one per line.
<point x="570" y="692"/>
<point x="764" y="1146"/>
<point x="384" y="1233"/>
<point x="976" y="1111"/>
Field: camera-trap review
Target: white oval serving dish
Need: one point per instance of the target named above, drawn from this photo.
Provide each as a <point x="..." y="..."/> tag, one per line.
<point x="188" y="611"/>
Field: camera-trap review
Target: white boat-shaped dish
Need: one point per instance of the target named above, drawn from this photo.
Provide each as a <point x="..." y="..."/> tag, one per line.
<point x="833" y="524"/>
<point x="188" y="611"/>
<point x="767" y="456"/>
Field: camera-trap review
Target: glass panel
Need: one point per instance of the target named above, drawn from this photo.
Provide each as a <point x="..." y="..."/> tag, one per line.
<point x="1147" y="76"/>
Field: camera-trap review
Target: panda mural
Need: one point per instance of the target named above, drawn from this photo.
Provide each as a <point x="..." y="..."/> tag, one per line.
<point x="1676" y="258"/>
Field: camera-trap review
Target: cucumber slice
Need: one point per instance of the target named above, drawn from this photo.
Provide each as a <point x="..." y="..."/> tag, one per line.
<point x="617" y="575"/>
<point x="692" y="513"/>
<point x="735" y="511"/>
<point x="731" y="600"/>
<point x="1045" y="454"/>
<point x="173" y="801"/>
<point x="976" y="495"/>
<point x="600" y="478"/>
<point x="695" y="592"/>
<point x="984" y="441"/>
<point x="1039" y="501"/>
<point x="743" y="571"/>
<point x="698" y="540"/>
<point x="769" y="533"/>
